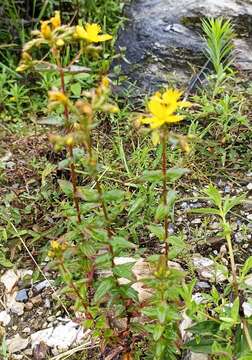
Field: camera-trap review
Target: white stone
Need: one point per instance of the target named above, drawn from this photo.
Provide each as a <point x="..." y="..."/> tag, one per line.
<point x="61" y="337"/>
<point x="13" y="305"/>
<point x="199" y="356"/>
<point x="199" y="261"/>
<point x="198" y="298"/>
<point x="17" y="343"/>
<point x="4" y="318"/>
<point x="9" y="279"/>
<point x="247" y="309"/>
<point x="41" y="335"/>
<point x="207" y="269"/>
<point x="142" y="292"/>
<point x="249" y="186"/>
<point x="123" y="260"/>
<point x="248" y="280"/>
<point x="249" y="217"/>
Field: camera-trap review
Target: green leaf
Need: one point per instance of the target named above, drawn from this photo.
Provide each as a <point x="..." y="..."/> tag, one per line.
<point x="76" y="89"/>
<point x="124" y="271"/>
<point x="235" y="310"/>
<point x="174" y="174"/>
<point x="66" y="187"/>
<point x="206" y="327"/>
<point x="5" y="262"/>
<point x="177" y="246"/>
<point x="89" y="195"/>
<point x="203" y="345"/>
<point x="157" y="230"/>
<point x="114" y="195"/>
<point x="137" y="205"/>
<point x="104" y="287"/>
<point x="214" y="194"/>
<point x="47" y="171"/>
<point x="207" y="211"/>
<point x="171" y="199"/>
<point x="161" y="212"/>
<point x="103" y="261"/>
<point x="229" y="203"/>
<point x="100" y="235"/>
<point x="87" y="248"/>
<point x="152" y="175"/>
<point x="246" y="267"/>
<point x="162" y="311"/>
<point x="158" y="331"/>
<point x="119" y="243"/>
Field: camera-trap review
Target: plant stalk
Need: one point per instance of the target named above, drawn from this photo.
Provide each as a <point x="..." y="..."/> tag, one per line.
<point x="164" y="194"/>
<point x="70" y="148"/>
<point x="233" y="266"/>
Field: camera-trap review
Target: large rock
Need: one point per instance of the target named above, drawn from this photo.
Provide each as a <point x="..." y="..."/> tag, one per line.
<point x="163" y="42"/>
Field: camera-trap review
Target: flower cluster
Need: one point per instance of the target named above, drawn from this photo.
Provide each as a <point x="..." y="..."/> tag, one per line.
<point x="56" y="249"/>
<point x="162" y="109"/>
<point x="55" y="35"/>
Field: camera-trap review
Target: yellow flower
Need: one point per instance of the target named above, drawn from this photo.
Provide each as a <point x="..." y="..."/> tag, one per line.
<point x="60" y="43"/>
<point x="58" y="97"/>
<point x="21" y="68"/>
<point x="105" y="81"/>
<point x="91" y="33"/>
<point x="46" y="30"/>
<point x="56" y="21"/>
<point x="55" y="245"/>
<point x="162" y="108"/>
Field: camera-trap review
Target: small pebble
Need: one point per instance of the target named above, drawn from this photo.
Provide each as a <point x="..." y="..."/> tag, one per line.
<point x="22" y="295"/>
<point x="202" y="285"/>
<point x="28" y="306"/>
<point x="47" y="304"/>
<point x="26" y="330"/>
<point x="36" y="300"/>
<point x="196" y="221"/>
<point x="41" y="286"/>
<point x="249" y="186"/>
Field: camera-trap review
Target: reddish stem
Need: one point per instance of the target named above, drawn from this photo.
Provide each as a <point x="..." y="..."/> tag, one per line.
<point x="164" y="195"/>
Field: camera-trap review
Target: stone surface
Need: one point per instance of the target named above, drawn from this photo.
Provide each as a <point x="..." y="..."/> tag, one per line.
<point x="41" y="286"/>
<point x="22" y="295"/>
<point x="14" y="306"/>
<point x="61" y="337"/>
<point x="4" y="318"/>
<point x="208" y="269"/>
<point x="17" y="343"/>
<point x="9" y="279"/>
<point x="162" y="38"/>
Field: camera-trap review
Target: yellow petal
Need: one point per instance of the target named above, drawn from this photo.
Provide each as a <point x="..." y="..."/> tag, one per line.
<point x="157" y="123"/>
<point x="56" y="21"/>
<point x="146" y="120"/>
<point x="80" y="32"/>
<point x="186" y="104"/>
<point x="156" y="108"/>
<point x="93" y="29"/>
<point x="46" y="30"/>
<point x="104" y="37"/>
<point x="174" y="118"/>
<point x="171" y="95"/>
<point x="60" y="42"/>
